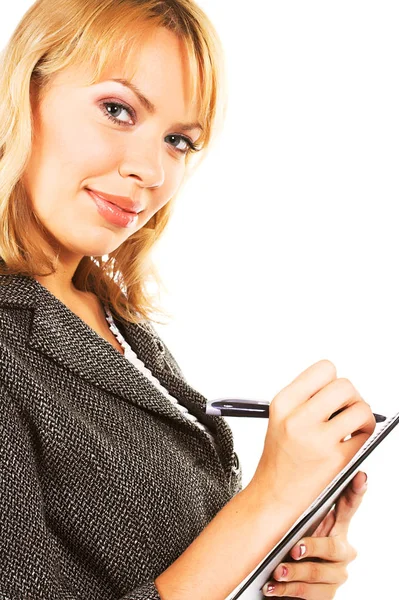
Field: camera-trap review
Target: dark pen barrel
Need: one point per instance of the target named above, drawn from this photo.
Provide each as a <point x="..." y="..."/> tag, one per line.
<point x="378" y="418"/>
<point x="234" y="407"/>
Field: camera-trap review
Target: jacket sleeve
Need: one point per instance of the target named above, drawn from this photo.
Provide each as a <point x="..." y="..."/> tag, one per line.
<point x="148" y="591"/>
<point x="29" y="566"/>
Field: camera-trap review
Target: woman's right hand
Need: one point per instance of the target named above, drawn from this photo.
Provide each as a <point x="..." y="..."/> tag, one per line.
<point x="303" y="450"/>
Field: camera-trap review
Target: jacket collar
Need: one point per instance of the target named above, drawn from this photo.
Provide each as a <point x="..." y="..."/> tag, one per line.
<point x="66" y="339"/>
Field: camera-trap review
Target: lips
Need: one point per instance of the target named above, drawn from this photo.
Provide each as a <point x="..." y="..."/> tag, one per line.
<point x="123" y="202"/>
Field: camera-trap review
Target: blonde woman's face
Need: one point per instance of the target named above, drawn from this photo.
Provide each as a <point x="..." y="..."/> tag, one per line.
<point x="102" y="138"/>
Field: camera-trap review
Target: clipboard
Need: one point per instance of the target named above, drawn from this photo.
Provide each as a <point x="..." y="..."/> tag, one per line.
<point x="251" y="587"/>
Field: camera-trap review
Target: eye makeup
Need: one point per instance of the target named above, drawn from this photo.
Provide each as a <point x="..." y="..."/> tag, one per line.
<point x="190" y="145"/>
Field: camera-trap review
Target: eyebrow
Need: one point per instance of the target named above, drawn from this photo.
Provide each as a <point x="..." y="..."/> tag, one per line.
<point x="149" y="106"/>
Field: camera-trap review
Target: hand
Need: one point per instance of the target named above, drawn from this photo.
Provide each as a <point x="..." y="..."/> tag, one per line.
<point x="304" y="449"/>
<point x="320" y="579"/>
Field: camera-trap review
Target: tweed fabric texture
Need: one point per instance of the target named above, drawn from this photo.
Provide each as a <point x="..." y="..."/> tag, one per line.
<point x="133" y="358"/>
<point x="103" y="482"/>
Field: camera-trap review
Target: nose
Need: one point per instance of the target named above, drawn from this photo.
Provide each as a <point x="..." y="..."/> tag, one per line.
<point x="145" y="166"/>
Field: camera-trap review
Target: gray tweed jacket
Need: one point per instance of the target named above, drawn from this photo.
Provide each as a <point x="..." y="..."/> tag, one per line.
<point x="103" y="482"/>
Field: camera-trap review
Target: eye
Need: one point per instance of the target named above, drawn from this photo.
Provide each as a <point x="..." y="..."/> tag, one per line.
<point x="112" y="110"/>
<point x="188" y="144"/>
<point x="108" y="109"/>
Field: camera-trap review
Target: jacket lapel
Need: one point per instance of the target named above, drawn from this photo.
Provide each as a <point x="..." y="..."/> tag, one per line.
<point x="66" y="339"/>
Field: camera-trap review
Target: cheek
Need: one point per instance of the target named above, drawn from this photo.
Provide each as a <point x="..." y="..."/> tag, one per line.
<point x="173" y="178"/>
<point x="81" y="150"/>
<point x="72" y="149"/>
<point x="65" y="153"/>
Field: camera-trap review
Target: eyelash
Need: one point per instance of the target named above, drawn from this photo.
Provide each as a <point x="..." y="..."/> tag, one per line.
<point x="191" y="146"/>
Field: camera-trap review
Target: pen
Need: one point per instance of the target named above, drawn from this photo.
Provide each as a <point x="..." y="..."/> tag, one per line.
<point x="241" y="407"/>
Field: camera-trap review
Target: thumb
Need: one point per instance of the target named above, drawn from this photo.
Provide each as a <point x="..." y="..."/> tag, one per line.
<point x="359" y="483"/>
<point x="349" y="502"/>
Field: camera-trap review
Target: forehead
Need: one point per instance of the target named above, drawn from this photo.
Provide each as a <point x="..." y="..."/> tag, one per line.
<point x="158" y="64"/>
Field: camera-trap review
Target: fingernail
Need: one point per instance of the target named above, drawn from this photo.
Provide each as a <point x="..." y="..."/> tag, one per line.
<point x="364" y="486"/>
<point x="283" y="574"/>
<point x="301" y="549"/>
<point x="269" y="588"/>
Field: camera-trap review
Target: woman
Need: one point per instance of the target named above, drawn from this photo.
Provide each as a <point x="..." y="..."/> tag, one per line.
<point x="114" y="483"/>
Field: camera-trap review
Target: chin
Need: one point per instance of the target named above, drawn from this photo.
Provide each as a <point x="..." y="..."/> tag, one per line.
<point x="92" y="248"/>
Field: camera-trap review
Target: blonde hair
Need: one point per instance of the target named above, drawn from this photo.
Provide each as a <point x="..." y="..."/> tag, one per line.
<point x="50" y="37"/>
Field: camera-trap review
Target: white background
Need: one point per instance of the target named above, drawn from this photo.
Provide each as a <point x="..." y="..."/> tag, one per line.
<point x="283" y="248"/>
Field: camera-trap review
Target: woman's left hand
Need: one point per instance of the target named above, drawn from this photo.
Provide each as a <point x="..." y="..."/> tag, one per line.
<point x="320" y="579"/>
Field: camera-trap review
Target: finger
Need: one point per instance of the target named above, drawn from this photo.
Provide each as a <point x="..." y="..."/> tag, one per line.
<point x="306" y="384"/>
<point x="357" y="417"/>
<point x="299" y="589"/>
<point x="338" y="394"/>
<point x="311" y="572"/>
<point x="333" y="548"/>
<point x="348" y="503"/>
<point x="359" y="482"/>
<point x="325" y="527"/>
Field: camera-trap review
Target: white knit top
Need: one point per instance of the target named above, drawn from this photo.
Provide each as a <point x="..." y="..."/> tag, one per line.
<point x="133" y="358"/>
